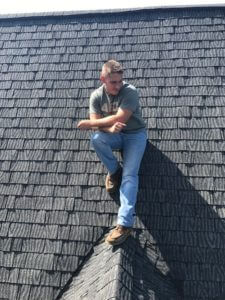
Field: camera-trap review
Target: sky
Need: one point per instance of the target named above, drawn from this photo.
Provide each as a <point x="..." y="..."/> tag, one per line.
<point x="36" y="6"/>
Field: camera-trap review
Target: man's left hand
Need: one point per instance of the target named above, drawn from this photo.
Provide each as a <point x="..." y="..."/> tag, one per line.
<point x="84" y="124"/>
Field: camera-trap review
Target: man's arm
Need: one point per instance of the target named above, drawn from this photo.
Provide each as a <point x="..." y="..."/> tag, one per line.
<point x="94" y="116"/>
<point x="121" y="117"/>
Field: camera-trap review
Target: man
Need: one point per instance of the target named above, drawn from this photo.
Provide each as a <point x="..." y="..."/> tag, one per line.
<point x="115" y="114"/>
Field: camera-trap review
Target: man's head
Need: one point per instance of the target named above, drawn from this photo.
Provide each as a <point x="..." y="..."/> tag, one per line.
<point x="112" y="77"/>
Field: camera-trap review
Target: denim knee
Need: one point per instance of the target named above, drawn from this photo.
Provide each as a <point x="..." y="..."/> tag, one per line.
<point x="96" y="139"/>
<point x="93" y="139"/>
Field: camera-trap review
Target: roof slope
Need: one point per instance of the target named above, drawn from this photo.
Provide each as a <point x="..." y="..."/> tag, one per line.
<point x="53" y="205"/>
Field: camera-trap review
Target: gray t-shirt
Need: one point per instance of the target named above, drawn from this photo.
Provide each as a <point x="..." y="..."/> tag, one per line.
<point x="127" y="98"/>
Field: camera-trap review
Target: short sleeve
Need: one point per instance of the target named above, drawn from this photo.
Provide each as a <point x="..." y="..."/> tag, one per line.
<point x="130" y="99"/>
<point x="94" y="105"/>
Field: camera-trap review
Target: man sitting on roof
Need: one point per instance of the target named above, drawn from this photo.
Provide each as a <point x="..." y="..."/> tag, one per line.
<point x="115" y="114"/>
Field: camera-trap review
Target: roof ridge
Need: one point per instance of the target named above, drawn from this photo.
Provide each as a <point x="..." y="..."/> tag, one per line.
<point x="103" y="270"/>
<point x="124" y="276"/>
<point x="112" y="272"/>
<point x="104" y="261"/>
<point x="56" y="14"/>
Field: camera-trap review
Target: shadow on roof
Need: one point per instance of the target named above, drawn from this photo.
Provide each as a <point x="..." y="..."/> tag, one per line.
<point x="187" y="231"/>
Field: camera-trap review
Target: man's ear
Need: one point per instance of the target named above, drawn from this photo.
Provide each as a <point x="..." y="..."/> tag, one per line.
<point x="102" y="78"/>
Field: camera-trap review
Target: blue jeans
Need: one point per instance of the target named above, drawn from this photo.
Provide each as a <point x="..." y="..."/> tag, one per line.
<point x="133" y="147"/>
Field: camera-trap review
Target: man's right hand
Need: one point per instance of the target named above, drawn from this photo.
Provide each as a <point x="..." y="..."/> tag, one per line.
<point x="117" y="127"/>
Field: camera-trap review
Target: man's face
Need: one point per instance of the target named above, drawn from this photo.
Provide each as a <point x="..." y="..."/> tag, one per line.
<point x="113" y="83"/>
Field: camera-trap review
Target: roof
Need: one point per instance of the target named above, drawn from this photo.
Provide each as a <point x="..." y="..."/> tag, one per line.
<point x="54" y="209"/>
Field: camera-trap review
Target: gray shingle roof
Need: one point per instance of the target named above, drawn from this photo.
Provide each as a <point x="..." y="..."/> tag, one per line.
<point x="53" y="205"/>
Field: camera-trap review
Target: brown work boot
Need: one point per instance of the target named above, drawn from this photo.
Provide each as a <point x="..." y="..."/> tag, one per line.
<point x="112" y="182"/>
<point x="118" y="235"/>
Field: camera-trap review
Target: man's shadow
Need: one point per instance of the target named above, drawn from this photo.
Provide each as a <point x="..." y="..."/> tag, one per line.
<point x="179" y="221"/>
<point x="183" y="234"/>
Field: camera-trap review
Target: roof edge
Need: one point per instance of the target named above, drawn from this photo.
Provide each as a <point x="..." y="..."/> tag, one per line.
<point x="103" y="11"/>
